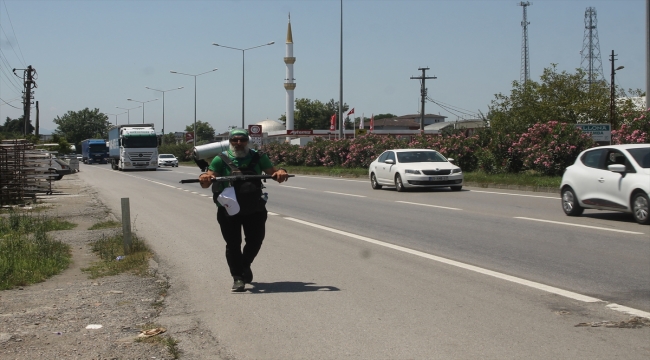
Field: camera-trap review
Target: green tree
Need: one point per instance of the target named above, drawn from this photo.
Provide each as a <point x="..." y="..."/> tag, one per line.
<point x="204" y="131"/>
<point x="76" y="126"/>
<point x="384" y="116"/>
<point x="558" y="96"/>
<point x="314" y="114"/>
<point x="13" y="128"/>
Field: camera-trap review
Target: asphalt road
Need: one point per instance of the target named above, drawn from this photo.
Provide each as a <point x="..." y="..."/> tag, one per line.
<point x="351" y="272"/>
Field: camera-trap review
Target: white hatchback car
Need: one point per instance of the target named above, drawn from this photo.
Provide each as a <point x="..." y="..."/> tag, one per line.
<point x="614" y="177"/>
<point x="167" y="160"/>
<point x="414" y="168"/>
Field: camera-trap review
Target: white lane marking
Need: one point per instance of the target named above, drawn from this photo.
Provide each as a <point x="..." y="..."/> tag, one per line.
<point x="338" y="193"/>
<point x="333" y="178"/>
<point x="501" y="193"/>
<point x="435" y="206"/>
<point x="629" y="310"/>
<point x="272" y="213"/>
<point x="584" y="226"/>
<point x="498" y="275"/>
<point x="293" y="187"/>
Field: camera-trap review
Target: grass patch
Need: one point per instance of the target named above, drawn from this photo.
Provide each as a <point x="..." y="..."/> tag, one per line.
<point x="105" y="225"/>
<point x="109" y="248"/>
<point x="27" y="254"/>
<point x="522" y="179"/>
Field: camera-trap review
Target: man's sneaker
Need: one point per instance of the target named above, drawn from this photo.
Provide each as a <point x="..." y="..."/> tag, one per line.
<point x="238" y="285"/>
<point x="247" y="275"/>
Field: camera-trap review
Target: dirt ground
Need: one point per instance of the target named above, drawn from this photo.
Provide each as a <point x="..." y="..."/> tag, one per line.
<point x="61" y="317"/>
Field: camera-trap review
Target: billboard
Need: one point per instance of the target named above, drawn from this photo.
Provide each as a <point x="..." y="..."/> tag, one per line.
<point x="598" y="132"/>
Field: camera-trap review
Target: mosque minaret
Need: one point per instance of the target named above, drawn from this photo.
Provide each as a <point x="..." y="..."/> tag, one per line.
<point x="289" y="85"/>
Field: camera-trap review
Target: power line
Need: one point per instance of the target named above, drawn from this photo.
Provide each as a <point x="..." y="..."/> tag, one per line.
<point x="7" y="103"/>
<point x="15" y="37"/>
<point x="453" y="109"/>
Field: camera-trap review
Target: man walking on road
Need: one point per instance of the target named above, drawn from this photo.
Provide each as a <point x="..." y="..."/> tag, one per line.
<point x="252" y="213"/>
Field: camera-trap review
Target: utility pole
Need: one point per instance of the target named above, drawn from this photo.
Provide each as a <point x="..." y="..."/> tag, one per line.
<point x="423" y="94"/>
<point x="525" y="58"/>
<point x="36" y="130"/>
<point x="612" y="100"/>
<point x="28" y="95"/>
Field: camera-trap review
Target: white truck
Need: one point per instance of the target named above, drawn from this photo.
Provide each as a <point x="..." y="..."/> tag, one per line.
<point x="133" y="147"/>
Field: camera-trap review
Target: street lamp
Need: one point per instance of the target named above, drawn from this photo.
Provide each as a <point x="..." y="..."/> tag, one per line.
<point x="142" y="102"/>
<point x="242" y="72"/>
<point x="163" y="92"/>
<point x="116" y="116"/>
<point x="128" y="116"/>
<point x="180" y="73"/>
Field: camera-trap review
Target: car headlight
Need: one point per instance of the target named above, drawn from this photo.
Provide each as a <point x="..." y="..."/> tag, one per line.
<point x="456" y="171"/>
<point x="416" y="172"/>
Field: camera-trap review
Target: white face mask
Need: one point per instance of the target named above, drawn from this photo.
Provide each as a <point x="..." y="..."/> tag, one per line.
<point x="240" y="153"/>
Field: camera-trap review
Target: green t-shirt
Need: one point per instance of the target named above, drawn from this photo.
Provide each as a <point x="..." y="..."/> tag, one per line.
<point x="218" y="166"/>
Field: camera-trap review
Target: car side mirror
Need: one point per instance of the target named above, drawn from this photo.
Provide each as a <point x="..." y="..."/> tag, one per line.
<point x="619" y="168"/>
<point x="390" y="161"/>
<point x="450" y="159"/>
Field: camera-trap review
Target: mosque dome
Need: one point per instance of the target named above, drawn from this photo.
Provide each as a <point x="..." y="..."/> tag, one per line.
<point x="271" y="125"/>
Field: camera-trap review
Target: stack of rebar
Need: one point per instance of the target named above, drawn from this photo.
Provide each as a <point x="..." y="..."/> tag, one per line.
<point x="24" y="172"/>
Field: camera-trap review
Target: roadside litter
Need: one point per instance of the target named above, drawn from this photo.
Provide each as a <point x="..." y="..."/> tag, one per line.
<point x="151" y="332"/>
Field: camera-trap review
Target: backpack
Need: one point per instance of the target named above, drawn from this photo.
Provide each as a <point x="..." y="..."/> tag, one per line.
<point x="248" y="192"/>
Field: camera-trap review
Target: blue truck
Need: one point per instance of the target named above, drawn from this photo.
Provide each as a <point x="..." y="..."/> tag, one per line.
<point x="94" y="151"/>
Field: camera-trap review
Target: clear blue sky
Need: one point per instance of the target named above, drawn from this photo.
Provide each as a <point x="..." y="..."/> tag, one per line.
<point x="96" y="54"/>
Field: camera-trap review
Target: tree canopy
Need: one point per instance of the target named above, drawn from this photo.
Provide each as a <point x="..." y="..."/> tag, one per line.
<point x="204" y="131"/>
<point x="558" y="96"/>
<point x="16" y="127"/>
<point x="76" y="126"/>
<point x="314" y="114"/>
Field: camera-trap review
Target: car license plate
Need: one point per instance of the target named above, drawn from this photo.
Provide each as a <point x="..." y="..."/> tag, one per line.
<point x="436" y="178"/>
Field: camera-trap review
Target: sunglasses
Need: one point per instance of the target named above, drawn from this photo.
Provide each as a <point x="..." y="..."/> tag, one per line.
<point x="239" y="140"/>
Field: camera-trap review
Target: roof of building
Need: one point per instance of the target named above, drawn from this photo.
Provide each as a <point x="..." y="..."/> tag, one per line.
<point x="271" y="125"/>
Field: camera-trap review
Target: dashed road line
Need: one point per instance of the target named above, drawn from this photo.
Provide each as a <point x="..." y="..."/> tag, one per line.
<point x="435" y="206"/>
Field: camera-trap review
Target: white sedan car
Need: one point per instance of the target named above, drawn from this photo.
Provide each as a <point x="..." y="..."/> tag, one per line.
<point x="167" y="160"/>
<point x="414" y="168"/>
<point x="615" y="177"/>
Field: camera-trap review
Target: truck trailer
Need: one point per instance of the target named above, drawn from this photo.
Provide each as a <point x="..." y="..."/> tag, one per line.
<point x="94" y="151"/>
<point x="133" y="147"/>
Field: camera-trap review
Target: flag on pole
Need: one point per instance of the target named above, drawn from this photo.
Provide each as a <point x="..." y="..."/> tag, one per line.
<point x="361" y="122"/>
<point x="372" y="122"/>
<point x="351" y="112"/>
<point x="333" y="123"/>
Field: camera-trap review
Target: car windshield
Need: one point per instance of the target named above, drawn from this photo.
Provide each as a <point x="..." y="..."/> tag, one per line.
<point x="641" y="156"/>
<point x="165" y="156"/>
<point x="419" y="156"/>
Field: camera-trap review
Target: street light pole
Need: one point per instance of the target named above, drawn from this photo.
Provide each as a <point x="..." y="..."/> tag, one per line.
<point x="116" y="116"/>
<point x="163" y="123"/>
<point x="180" y="73"/>
<point x="128" y="116"/>
<point x="142" y="102"/>
<point x="243" y="72"/>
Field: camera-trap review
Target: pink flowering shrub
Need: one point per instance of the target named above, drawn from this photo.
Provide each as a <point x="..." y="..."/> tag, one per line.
<point x="364" y="149"/>
<point x="633" y="131"/>
<point x="547" y="148"/>
<point x="550" y="147"/>
<point x="493" y="154"/>
<point x="458" y="146"/>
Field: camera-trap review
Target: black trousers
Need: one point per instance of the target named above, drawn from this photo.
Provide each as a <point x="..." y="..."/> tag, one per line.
<point x="254" y="226"/>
